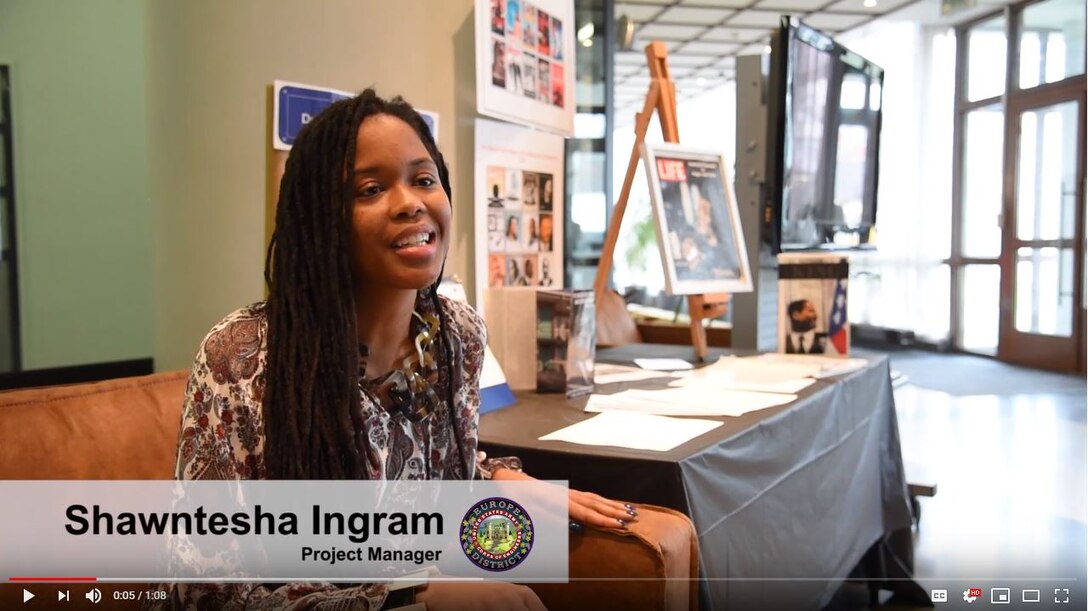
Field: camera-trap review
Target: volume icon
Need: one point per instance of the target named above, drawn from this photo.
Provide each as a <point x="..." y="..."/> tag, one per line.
<point x="95" y="596"/>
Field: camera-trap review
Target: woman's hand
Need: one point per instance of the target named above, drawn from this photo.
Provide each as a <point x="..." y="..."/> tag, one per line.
<point x="586" y="507"/>
<point x="488" y="596"/>
<point x="595" y="510"/>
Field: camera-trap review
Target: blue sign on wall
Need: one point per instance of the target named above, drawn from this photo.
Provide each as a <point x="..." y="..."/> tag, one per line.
<point x="296" y="105"/>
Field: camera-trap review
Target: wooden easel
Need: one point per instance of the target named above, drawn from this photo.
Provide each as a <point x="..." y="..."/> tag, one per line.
<point x="662" y="97"/>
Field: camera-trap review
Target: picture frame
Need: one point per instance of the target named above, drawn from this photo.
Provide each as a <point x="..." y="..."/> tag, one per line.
<point x="813" y="290"/>
<point x="698" y="223"/>
<point x="524" y="62"/>
<point x="518" y="222"/>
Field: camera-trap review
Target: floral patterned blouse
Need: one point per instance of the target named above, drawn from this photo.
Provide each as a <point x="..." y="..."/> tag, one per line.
<point x="222" y="437"/>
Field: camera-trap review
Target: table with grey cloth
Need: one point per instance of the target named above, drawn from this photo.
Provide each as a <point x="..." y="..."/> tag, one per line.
<point x="787" y="501"/>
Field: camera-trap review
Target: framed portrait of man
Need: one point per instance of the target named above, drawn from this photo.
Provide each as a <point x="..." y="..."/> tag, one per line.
<point x="812" y="304"/>
<point x="698" y="224"/>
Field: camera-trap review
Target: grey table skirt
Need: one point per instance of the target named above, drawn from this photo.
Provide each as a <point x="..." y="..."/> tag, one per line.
<point x="787" y="501"/>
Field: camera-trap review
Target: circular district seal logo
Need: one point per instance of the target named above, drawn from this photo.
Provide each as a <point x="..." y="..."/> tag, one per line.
<point x="496" y="534"/>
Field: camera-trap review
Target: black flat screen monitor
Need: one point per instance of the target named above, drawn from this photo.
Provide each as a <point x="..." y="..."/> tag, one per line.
<point x="824" y="113"/>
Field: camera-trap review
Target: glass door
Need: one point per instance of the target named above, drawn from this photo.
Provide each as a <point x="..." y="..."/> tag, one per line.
<point x="1020" y="186"/>
<point x="979" y="142"/>
<point x="1042" y="287"/>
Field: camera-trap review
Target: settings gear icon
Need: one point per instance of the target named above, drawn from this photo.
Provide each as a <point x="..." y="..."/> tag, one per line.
<point x="969" y="596"/>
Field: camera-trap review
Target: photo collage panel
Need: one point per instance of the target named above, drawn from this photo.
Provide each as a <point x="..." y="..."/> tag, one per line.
<point x="521" y="228"/>
<point x="527" y="51"/>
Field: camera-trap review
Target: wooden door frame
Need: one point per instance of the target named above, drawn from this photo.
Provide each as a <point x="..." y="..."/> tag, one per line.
<point x="1026" y="348"/>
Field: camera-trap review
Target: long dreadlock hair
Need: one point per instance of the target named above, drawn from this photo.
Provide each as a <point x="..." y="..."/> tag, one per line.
<point x="311" y="376"/>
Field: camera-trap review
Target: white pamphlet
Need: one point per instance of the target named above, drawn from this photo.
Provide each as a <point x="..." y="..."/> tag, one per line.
<point x="664" y="364"/>
<point x="633" y="430"/>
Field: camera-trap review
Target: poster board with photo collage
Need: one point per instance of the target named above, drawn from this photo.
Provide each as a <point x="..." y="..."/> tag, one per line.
<point x="525" y="62"/>
<point x="519" y="207"/>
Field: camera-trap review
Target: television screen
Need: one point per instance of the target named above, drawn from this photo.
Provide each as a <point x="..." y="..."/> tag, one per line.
<point x="823" y="134"/>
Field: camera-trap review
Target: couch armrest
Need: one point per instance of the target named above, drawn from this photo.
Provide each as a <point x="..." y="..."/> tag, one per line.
<point x="120" y="429"/>
<point x="653" y="564"/>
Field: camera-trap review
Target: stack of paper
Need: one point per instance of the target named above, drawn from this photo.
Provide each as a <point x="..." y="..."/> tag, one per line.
<point x="607" y="373"/>
<point x="687" y="401"/>
<point x="731" y="373"/>
<point x="633" y="430"/>
<point x="731" y="386"/>
<point x="828" y="365"/>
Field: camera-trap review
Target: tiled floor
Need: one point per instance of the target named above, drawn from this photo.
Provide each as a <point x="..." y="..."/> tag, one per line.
<point x="1007" y="449"/>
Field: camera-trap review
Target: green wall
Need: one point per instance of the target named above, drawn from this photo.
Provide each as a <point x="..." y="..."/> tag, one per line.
<point x="81" y="175"/>
<point x="142" y="151"/>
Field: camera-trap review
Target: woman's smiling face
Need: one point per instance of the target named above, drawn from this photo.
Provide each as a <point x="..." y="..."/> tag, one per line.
<point x="401" y="215"/>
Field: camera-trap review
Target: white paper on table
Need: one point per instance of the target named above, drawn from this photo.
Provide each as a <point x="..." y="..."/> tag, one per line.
<point x="843" y="367"/>
<point x="633" y="430"/>
<point x="746" y="374"/>
<point x="713" y="384"/>
<point x="621" y="402"/>
<point x="607" y="373"/>
<point x="687" y="401"/>
<point x="829" y="365"/>
<point x="664" y="364"/>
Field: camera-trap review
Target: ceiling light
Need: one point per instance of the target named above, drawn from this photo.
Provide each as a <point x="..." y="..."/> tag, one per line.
<point x="869" y="3"/>
<point x="585" y="32"/>
<point x="625" y="32"/>
<point x="587" y="42"/>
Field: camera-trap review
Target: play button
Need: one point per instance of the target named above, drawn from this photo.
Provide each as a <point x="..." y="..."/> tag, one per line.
<point x="27" y="595"/>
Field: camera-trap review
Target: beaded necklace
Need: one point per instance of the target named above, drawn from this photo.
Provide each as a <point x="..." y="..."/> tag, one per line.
<point x="410" y="389"/>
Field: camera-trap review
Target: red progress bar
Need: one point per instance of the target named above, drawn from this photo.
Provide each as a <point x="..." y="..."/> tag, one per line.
<point x="52" y="579"/>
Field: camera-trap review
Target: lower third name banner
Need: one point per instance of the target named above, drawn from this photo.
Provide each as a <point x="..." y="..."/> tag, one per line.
<point x="281" y="531"/>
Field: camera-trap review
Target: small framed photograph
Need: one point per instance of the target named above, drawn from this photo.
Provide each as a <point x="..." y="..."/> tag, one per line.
<point x="698" y="224"/>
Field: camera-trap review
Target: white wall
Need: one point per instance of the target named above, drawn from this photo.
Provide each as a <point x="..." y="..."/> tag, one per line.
<point x="209" y="64"/>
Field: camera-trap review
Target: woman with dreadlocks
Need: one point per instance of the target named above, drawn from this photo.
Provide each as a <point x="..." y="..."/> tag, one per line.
<point x="355" y="368"/>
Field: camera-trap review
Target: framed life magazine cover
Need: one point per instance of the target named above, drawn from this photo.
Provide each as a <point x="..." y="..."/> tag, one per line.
<point x="698" y="224"/>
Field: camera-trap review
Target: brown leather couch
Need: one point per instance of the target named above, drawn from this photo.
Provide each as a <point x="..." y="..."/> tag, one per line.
<point x="128" y="428"/>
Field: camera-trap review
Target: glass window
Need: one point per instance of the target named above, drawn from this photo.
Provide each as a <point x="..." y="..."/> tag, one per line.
<point x="853" y="92"/>
<point x="850" y="173"/>
<point x="1047" y="173"/>
<point x="935" y="309"/>
<point x="1051" y="41"/>
<point x="1044" y="291"/>
<point x="986" y="44"/>
<point x="590" y="126"/>
<point x="979" y="308"/>
<point x="981" y="198"/>
<point x="587" y="164"/>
